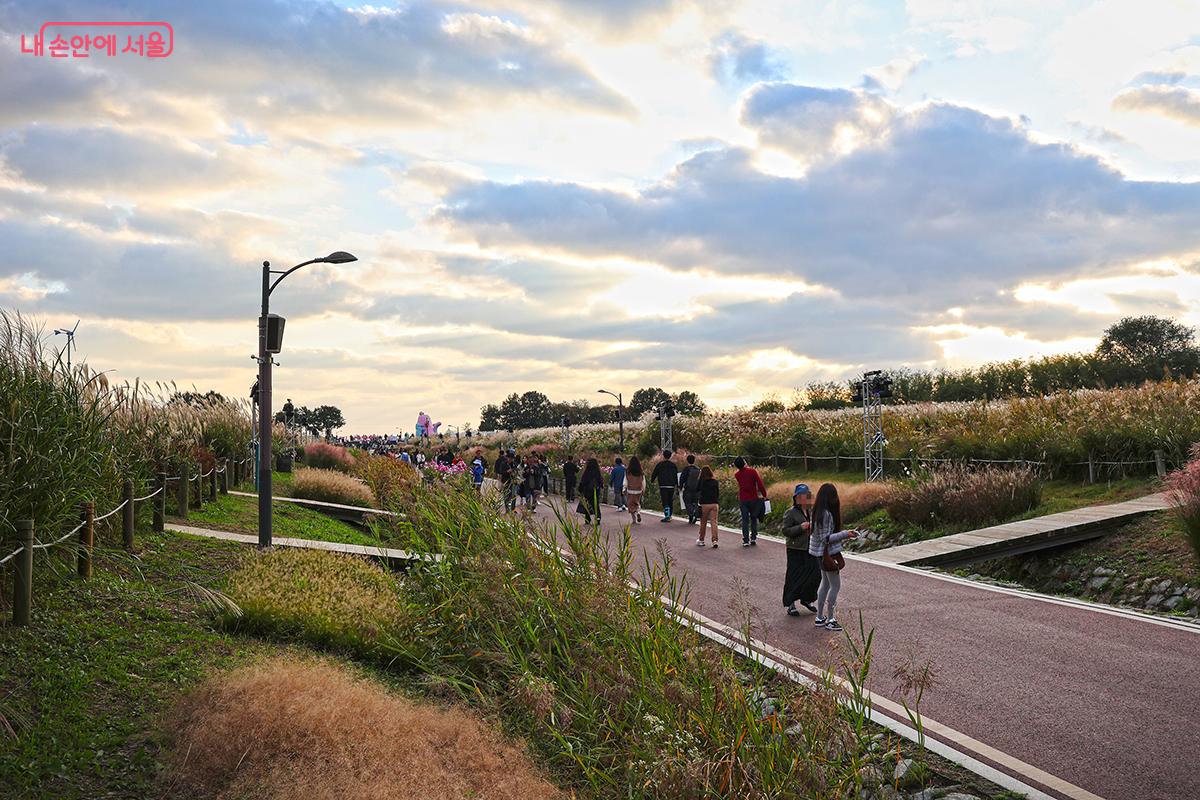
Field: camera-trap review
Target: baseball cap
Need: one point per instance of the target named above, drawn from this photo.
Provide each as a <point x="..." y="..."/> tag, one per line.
<point x="801" y="488"/>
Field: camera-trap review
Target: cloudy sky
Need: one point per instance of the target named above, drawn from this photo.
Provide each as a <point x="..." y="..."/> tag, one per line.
<point x="731" y="196"/>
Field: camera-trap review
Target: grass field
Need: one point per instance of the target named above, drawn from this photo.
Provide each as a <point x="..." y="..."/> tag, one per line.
<point x="240" y="515"/>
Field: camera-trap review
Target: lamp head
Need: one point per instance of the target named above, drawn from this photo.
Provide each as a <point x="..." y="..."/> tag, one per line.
<point x="339" y="257"/>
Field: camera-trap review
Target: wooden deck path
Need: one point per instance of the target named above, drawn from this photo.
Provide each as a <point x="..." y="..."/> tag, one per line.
<point x="1022" y="536"/>
<point x="389" y="554"/>
<point x="336" y="510"/>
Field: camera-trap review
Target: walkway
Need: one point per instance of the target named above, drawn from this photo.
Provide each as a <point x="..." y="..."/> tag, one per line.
<point x="1079" y="701"/>
<point x="389" y="554"/>
<point x="1022" y="536"/>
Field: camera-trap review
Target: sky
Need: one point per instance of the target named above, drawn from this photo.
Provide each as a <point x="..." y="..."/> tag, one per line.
<point x="736" y="197"/>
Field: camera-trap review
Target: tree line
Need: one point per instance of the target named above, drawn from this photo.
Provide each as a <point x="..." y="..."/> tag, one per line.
<point x="533" y="409"/>
<point x="1132" y="351"/>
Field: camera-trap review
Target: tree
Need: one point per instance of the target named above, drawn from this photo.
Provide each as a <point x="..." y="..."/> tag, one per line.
<point x="1141" y="348"/>
<point x="829" y="394"/>
<point x="769" y="405"/>
<point x="322" y="419"/>
<point x="489" y="417"/>
<point x="689" y="404"/>
<point x="528" y="410"/>
<point x="644" y="400"/>
<point x="198" y="400"/>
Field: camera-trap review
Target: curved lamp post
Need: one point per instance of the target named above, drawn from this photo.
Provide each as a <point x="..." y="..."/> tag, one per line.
<point x="620" y="415"/>
<point x="270" y="341"/>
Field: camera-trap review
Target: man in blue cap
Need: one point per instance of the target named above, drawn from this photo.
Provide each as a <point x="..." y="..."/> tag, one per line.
<point x="803" y="570"/>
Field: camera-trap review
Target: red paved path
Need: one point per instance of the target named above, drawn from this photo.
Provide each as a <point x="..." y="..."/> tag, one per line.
<point x="1105" y="702"/>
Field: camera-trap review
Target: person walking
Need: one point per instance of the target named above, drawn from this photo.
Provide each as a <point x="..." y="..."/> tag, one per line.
<point x="506" y="471"/>
<point x="531" y="481"/>
<point x="591" y="483"/>
<point x="666" y="475"/>
<point x="477" y="470"/>
<point x="544" y="474"/>
<point x="825" y="543"/>
<point x="751" y="493"/>
<point x="570" y="470"/>
<point x="617" y="482"/>
<point x="635" y="487"/>
<point x="689" y="485"/>
<point x="708" y="498"/>
<point x="803" y="574"/>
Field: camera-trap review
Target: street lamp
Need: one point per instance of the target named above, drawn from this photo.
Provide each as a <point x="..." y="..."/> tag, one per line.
<point x="70" y="334"/>
<point x="270" y="341"/>
<point x="620" y="415"/>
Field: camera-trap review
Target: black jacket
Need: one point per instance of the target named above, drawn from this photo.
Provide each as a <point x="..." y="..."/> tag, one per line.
<point x="666" y="475"/>
<point x="683" y="481"/>
<point x="710" y="491"/>
<point x="570" y="470"/>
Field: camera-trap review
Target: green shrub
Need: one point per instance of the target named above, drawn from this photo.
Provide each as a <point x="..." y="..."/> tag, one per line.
<point x="329" y="599"/>
<point x="329" y="486"/>
<point x="757" y="447"/>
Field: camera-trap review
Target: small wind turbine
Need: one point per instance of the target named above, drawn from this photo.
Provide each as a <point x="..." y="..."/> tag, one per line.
<point x="70" y="334"/>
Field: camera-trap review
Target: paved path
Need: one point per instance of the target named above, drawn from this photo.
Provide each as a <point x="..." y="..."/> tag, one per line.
<point x="1104" y="700"/>
<point x="1022" y="536"/>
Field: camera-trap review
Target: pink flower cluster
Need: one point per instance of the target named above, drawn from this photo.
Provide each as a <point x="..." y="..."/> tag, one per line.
<point x="457" y="468"/>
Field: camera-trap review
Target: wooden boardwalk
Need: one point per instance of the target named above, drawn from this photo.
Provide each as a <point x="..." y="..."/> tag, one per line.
<point x="335" y="510"/>
<point x="1023" y="536"/>
<point x="389" y="554"/>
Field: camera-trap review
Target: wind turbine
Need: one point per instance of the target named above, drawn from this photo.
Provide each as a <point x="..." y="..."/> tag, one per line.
<point x="70" y="334"/>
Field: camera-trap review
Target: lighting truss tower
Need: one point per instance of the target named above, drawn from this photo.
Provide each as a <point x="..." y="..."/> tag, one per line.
<point x="666" y="413"/>
<point x="873" y="390"/>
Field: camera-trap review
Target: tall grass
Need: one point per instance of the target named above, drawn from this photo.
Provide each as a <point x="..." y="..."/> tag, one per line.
<point x="1184" y="488"/>
<point x="328" y="456"/>
<point x="329" y="486"/>
<point x="959" y="495"/>
<point x="615" y="695"/>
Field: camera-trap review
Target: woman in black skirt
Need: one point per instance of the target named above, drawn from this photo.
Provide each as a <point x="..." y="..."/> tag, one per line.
<point x="803" y="570"/>
<point x="590" y="485"/>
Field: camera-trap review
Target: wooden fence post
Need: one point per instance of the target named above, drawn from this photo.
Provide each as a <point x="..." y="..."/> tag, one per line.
<point x="212" y="483"/>
<point x="837" y="462"/>
<point x="181" y="491"/>
<point x="87" y="538"/>
<point x="197" y="498"/>
<point x="1091" y="468"/>
<point x="805" y="462"/>
<point x="23" y="573"/>
<point x="127" y="516"/>
<point x="160" y="504"/>
<point x="224" y="476"/>
<point x="1160" y="464"/>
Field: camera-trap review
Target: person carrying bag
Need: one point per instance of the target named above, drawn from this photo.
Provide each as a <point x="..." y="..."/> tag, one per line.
<point x="825" y="542"/>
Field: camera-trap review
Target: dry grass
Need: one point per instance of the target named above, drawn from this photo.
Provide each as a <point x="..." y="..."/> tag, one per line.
<point x="959" y="495"/>
<point x="290" y="728"/>
<point x="329" y="486"/>
<point x="325" y="598"/>
<point x="328" y="456"/>
<point x="858" y="499"/>
<point x="390" y="480"/>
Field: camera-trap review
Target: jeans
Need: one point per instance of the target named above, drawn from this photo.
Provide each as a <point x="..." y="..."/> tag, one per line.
<point x="749" y="520"/>
<point x="618" y="498"/>
<point x="708" y="511"/>
<point x="667" y="495"/>
<point x="831" y="583"/>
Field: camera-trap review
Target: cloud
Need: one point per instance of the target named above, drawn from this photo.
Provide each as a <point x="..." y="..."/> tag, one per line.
<point x="810" y="122"/>
<point x="1173" y="102"/>
<point x="892" y="75"/>
<point x="946" y="206"/>
<point x="113" y="160"/>
<point x="344" y="67"/>
<point x="734" y="58"/>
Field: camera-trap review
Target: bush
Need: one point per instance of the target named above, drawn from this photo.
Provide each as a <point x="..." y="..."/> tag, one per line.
<point x="328" y="486"/>
<point x="1184" y="488"/>
<point x="387" y="479"/>
<point x="757" y="447"/>
<point x="288" y="728"/>
<point x="958" y="495"/>
<point x="325" y="598"/>
<point x="328" y="456"/>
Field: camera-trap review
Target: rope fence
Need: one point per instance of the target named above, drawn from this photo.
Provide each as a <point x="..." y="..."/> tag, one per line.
<point x="84" y="533"/>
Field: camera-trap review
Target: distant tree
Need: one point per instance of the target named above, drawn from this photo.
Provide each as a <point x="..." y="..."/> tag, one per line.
<point x="825" y="395"/>
<point x="1141" y="348"/>
<point x="320" y="420"/>
<point x="211" y="397"/>
<point x="529" y="410"/>
<point x="689" y="404"/>
<point x="644" y="400"/>
<point x="489" y="417"/>
<point x="769" y="405"/>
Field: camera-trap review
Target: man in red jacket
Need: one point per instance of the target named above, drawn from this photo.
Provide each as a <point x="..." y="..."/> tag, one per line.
<point x="751" y="493"/>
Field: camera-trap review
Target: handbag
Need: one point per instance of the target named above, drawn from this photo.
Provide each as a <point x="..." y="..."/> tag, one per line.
<point x="832" y="563"/>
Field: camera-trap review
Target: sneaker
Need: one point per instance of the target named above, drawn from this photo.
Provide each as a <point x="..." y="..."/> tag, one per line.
<point x="820" y="621"/>
<point x="639" y="516"/>
<point x="810" y="607"/>
<point x="792" y="612"/>
<point x="665" y="519"/>
<point x="699" y="543"/>
<point x="745" y="544"/>
<point x="754" y="542"/>
<point x="714" y="545"/>
<point x="832" y="625"/>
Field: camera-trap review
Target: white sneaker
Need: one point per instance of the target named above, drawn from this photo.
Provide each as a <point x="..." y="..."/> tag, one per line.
<point x="699" y="543"/>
